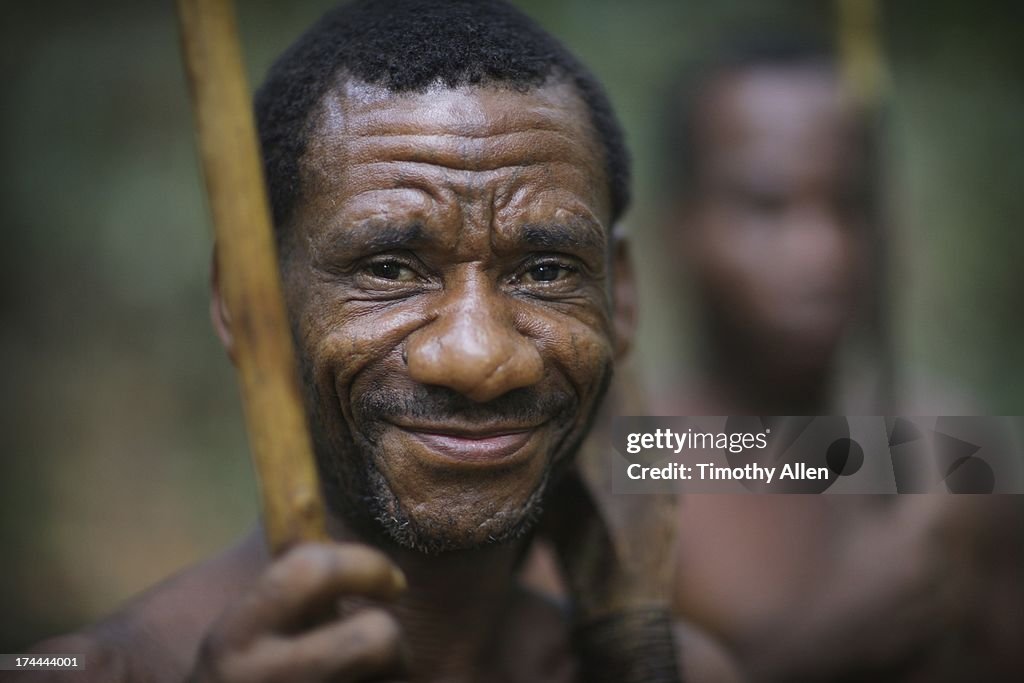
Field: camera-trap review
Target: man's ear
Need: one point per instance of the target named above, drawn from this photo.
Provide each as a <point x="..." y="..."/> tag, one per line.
<point x="623" y="294"/>
<point x="219" y="314"/>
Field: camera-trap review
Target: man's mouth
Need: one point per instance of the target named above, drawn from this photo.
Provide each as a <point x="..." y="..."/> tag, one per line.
<point x="471" y="445"/>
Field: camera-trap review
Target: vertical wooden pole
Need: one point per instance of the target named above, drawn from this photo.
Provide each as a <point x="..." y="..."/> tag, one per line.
<point x="860" y="51"/>
<point x="249" y="276"/>
<point x="867" y="82"/>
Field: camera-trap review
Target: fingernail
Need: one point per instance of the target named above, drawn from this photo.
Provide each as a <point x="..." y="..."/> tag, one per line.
<point x="399" y="579"/>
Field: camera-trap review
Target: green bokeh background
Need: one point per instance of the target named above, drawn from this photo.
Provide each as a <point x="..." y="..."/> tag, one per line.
<point x="124" y="453"/>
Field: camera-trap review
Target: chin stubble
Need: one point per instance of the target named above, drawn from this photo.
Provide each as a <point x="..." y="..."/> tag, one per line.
<point x="357" y="491"/>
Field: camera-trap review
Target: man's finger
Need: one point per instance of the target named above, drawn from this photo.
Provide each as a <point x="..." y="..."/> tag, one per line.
<point x="366" y="645"/>
<point x="305" y="579"/>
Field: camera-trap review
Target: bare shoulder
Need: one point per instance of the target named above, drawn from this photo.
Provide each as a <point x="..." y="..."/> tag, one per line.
<point x="154" y="637"/>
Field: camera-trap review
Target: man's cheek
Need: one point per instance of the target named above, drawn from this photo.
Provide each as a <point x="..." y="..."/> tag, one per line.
<point x="583" y="349"/>
<point x="348" y="344"/>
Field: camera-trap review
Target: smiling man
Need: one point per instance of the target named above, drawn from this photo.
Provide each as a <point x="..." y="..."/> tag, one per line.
<point x="445" y="180"/>
<point x="449" y="282"/>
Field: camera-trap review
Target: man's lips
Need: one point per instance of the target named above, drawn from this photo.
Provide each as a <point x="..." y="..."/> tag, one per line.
<point x="469" y="445"/>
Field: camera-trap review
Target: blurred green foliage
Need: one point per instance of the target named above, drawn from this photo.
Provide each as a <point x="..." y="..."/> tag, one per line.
<point x="124" y="457"/>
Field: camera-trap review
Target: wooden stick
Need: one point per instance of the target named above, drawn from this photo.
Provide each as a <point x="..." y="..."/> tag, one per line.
<point x="250" y="281"/>
<point x="860" y="53"/>
<point x="868" y="84"/>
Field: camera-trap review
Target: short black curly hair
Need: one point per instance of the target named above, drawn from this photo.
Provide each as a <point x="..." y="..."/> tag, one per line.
<point x="407" y="46"/>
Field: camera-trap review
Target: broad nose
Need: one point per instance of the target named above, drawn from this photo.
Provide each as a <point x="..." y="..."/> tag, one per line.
<point x="473" y="346"/>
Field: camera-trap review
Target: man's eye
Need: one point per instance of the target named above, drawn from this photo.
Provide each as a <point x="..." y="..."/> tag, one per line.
<point x="392" y="270"/>
<point x="548" y="272"/>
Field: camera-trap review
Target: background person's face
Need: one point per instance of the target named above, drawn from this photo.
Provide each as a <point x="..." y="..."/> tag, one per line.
<point x="448" y="280"/>
<point x="777" y="229"/>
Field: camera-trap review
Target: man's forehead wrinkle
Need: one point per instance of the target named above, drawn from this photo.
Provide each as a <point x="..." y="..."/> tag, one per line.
<point x="414" y="122"/>
<point x="469" y="168"/>
<point x="535" y="152"/>
<point x="466" y="111"/>
<point x="497" y="149"/>
<point x="323" y="160"/>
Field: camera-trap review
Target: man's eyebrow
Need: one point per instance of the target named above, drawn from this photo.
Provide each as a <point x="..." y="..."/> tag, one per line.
<point x="377" y="236"/>
<point x="575" y="235"/>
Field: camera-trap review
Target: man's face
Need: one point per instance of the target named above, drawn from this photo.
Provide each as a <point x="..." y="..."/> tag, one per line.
<point x="776" y="233"/>
<point x="447" y="275"/>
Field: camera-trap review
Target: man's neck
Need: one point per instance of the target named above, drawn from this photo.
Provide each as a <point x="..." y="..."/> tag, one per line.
<point x="454" y="610"/>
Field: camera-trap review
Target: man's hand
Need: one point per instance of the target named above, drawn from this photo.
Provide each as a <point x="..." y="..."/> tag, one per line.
<point x="616" y="554"/>
<point x="287" y="628"/>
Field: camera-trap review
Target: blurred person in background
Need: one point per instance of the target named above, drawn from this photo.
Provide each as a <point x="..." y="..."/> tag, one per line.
<point x="771" y="212"/>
